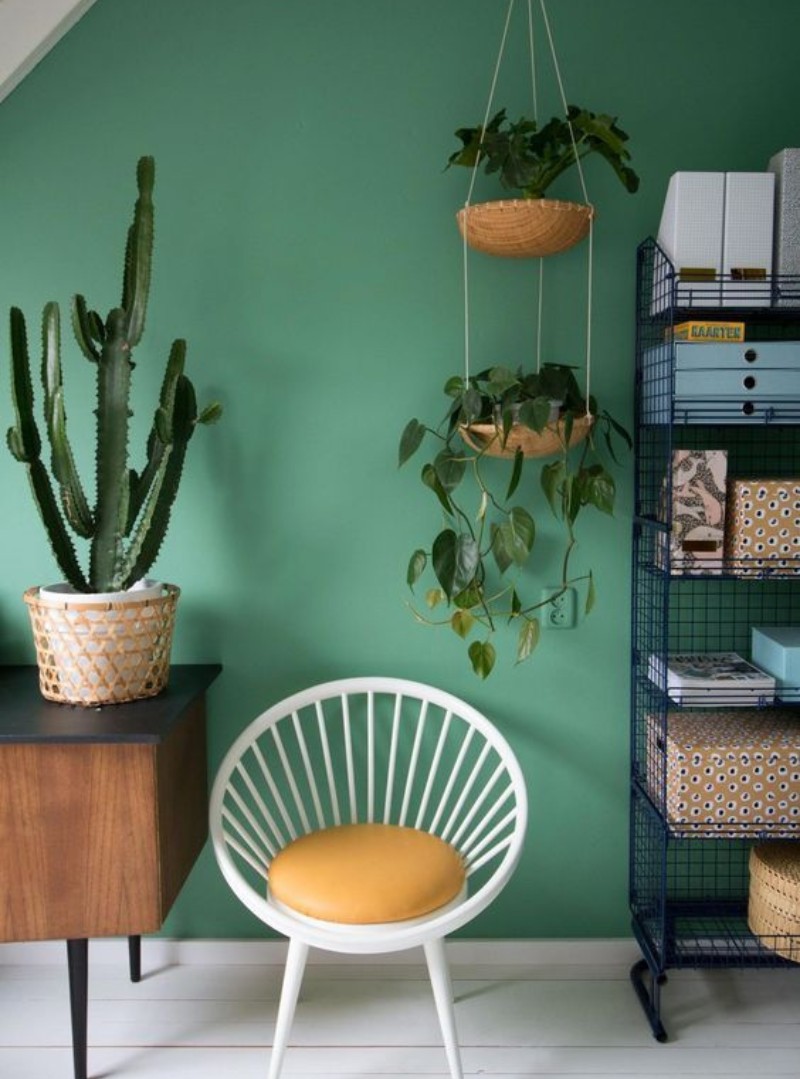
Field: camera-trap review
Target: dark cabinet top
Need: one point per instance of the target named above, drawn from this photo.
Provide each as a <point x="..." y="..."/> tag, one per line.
<point x="25" y="716"/>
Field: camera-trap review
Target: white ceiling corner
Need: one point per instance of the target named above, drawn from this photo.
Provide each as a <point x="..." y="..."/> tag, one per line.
<point x="28" y="30"/>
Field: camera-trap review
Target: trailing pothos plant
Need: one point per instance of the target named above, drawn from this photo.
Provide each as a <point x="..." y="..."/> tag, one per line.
<point x="529" y="158"/>
<point x="483" y="556"/>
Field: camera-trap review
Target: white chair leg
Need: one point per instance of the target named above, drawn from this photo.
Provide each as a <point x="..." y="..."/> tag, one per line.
<point x="443" y="995"/>
<point x="292" y="977"/>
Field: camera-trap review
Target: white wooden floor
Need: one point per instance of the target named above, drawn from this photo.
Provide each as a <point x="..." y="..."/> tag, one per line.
<point x="577" y="1019"/>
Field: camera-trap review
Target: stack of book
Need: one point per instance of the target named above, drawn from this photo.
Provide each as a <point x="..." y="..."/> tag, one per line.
<point x="712" y="679"/>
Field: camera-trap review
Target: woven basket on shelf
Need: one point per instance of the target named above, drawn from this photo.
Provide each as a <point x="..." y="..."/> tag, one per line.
<point x="488" y="439"/>
<point x="773" y="910"/>
<point x="524" y="228"/>
<point x="102" y="653"/>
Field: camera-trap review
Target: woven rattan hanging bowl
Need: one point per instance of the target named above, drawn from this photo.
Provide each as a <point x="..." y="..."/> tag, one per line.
<point x="486" y="438"/>
<point x="524" y="228"/>
<point x="773" y="909"/>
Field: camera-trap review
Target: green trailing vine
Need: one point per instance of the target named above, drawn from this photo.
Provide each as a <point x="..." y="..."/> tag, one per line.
<point x="481" y="563"/>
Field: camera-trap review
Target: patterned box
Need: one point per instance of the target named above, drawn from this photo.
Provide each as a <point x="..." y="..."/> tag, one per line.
<point x="698" y="511"/>
<point x="729" y="772"/>
<point x="762" y="534"/>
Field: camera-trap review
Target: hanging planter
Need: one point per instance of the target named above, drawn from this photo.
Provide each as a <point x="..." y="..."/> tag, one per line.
<point x="483" y="575"/>
<point x="476" y="562"/>
<point x="524" y="228"/>
<point x="488" y="438"/>
<point x="528" y="160"/>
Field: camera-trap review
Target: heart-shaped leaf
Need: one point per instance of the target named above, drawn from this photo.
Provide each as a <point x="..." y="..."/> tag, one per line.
<point x="455" y="558"/>
<point x="482" y="656"/>
<point x="410" y="440"/>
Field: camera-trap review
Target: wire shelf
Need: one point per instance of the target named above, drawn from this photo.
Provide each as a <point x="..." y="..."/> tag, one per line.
<point x="689" y="852"/>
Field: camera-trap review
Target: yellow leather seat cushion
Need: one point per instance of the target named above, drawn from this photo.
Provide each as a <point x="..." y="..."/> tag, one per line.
<point x="366" y="873"/>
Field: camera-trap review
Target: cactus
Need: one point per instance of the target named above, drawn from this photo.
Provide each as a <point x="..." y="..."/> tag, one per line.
<point x="127" y="524"/>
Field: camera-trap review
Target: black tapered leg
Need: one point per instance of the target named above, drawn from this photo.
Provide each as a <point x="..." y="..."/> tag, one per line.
<point x="78" y="962"/>
<point x="135" y="958"/>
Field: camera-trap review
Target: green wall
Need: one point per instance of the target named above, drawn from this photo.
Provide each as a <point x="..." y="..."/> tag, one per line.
<point x="306" y="248"/>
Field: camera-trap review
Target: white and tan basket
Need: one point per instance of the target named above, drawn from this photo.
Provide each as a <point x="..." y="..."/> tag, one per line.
<point x="773" y="910"/>
<point x="107" y="652"/>
<point x="487" y="438"/>
<point x="524" y="228"/>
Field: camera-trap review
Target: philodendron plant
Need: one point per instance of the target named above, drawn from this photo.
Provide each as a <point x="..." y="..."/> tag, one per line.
<point x="126" y="525"/>
<point x="528" y="159"/>
<point x="483" y="557"/>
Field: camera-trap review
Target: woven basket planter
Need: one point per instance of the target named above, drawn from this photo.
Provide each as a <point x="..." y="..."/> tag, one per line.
<point x="773" y="911"/>
<point x="524" y="228"/>
<point x="107" y="652"/>
<point x="488" y="439"/>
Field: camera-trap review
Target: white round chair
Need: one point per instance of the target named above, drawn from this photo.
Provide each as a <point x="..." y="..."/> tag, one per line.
<point x="368" y="815"/>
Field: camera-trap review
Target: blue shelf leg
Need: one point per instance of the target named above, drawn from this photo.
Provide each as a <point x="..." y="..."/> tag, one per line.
<point x="649" y="997"/>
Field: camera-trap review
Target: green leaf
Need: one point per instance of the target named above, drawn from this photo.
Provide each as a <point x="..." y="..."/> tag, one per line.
<point x="410" y="440"/>
<point x="591" y="595"/>
<point x="528" y="638"/>
<point x="569" y="423"/>
<point x="468" y="597"/>
<point x="454" y="386"/>
<point x="512" y="541"/>
<point x="211" y="413"/>
<point x="500" y="379"/>
<point x="430" y="479"/>
<point x="601" y="490"/>
<point x="502" y="555"/>
<point x="455" y="558"/>
<point x="516" y="604"/>
<point x="551" y="478"/>
<point x="462" y="622"/>
<point x="416" y="567"/>
<point x="536" y="413"/>
<point x="471" y="405"/>
<point x="482" y="656"/>
<point x="449" y="468"/>
<point x="516" y="473"/>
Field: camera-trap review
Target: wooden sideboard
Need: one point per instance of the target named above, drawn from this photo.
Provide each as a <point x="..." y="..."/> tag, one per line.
<point x="103" y="812"/>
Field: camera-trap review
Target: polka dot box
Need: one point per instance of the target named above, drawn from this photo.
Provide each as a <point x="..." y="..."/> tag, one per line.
<point x="763" y="527"/>
<point x="729" y="773"/>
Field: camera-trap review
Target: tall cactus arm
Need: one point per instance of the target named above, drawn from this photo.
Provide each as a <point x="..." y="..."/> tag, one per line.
<point x="73" y="500"/>
<point x="113" y="477"/>
<point x="23" y="438"/>
<point x="160" y="434"/>
<point x="85" y="327"/>
<point x="139" y="253"/>
<point x="25" y="444"/>
<point x="154" y="520"/>
<point x="57" y="534"/>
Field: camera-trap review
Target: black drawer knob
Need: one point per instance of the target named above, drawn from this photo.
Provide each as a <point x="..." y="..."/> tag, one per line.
<point x="751" y="355"/>
<point x="748" y="408"/>
<point x="749" y="382"/>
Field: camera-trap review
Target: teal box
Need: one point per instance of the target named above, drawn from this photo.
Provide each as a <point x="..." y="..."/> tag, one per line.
<point x="776" y="650"/>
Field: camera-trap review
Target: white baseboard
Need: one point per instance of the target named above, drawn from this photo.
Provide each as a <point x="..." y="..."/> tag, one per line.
<point x="163" y="951"/>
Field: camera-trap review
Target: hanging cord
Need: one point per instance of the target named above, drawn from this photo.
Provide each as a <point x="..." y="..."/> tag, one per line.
<point x="465" y="230"/>
<point x="473" y="177"/>
<point x="585" y="199"/>
<point x="563" y="98"/>
<point x="540" y="276"/>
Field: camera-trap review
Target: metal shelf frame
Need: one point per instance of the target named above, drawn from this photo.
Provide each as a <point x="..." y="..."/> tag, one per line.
<point x="688" y="888"/>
